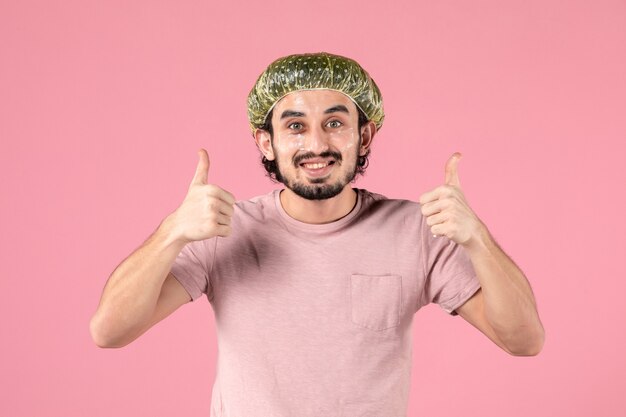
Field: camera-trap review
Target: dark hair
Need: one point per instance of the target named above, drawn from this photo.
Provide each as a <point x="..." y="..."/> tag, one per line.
<point x="272" y="168"/>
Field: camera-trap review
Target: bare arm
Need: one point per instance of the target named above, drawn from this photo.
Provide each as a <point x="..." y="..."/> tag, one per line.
<point x="141" y="291"/>
<point x="505" y="308"/>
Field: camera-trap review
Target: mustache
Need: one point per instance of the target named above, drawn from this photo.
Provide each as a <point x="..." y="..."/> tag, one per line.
<point x="309" y="155"/>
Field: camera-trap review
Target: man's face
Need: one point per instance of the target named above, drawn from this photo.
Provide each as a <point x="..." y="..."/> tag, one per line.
<point x="316" y="142"/>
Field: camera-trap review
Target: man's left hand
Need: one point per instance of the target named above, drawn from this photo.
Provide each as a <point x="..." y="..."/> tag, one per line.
<point x="447" y="212"/>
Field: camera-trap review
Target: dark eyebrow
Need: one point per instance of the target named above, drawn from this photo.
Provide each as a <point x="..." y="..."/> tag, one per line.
<point x="339" y="107"/>
<point x="334" y="109"/>
<point x="291" y="113"/>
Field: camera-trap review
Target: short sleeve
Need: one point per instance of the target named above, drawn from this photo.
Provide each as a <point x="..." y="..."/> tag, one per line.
<point x="450" y="279"/>
<point x="192" y="266"/>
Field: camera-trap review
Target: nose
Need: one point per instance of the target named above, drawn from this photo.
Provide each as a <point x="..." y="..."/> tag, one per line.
<point x="316" y="140"/>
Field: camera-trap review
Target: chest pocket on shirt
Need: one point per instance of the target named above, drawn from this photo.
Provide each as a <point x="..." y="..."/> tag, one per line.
<point x="376" y="300"/>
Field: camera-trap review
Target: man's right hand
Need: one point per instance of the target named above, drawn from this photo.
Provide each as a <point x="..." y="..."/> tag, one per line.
<point x="141" y="291"/>
<point x="207" y="209"/>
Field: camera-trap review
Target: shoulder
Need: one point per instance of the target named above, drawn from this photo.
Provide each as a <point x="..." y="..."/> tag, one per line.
<point x="258" y="207"/>
<point x="384" y="208"/>
<point x="378" y="201"/>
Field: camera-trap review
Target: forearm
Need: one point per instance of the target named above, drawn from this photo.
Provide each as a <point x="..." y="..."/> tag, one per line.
<point x="509" y="303"/>
<point x="130" y="295"/>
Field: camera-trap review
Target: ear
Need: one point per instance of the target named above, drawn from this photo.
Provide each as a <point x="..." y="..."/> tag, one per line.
<point x="368" y="130"/>
<point x="263" y="141"/>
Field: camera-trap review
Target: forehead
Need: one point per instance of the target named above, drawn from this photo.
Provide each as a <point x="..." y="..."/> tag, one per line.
<point x="313" y="101"/>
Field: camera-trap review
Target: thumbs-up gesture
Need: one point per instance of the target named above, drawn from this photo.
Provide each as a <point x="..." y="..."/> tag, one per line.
<point x="206" y="210"/>
<point x="446" y="210"/>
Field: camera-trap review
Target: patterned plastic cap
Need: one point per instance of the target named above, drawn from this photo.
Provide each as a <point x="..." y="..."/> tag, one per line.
<point x="319" y="71"/>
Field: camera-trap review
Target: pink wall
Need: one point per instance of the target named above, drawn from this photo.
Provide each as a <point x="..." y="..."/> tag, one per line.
<point x="103" y="106"/>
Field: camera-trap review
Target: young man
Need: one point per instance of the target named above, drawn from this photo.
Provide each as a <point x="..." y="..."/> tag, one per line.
<point x="314" y="286"/>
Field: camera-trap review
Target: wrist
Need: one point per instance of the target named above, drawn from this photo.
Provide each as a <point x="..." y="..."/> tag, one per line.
<point x="170" y="232"/>
<point x="480" y="241"/>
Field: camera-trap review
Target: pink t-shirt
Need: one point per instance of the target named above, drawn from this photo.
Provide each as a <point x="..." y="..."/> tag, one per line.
<point x="315" y="320"/>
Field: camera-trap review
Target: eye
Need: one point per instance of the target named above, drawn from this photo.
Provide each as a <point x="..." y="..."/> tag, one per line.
<point x="295" y="126"/>
<point x="334" y="124"/>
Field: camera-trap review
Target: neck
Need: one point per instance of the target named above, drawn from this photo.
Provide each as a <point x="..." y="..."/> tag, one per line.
<point x="318" y="211"/>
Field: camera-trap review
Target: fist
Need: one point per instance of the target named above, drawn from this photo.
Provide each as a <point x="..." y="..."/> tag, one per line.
<point x="447" y="211"/>
<point x="207" y="209"/>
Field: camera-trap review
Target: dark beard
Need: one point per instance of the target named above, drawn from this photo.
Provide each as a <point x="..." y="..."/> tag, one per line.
<point x="322" y="191"/>
<point x="315" y="191"/>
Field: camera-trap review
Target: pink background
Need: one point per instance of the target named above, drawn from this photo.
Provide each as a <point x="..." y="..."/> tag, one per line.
<point x="103" y="106"/>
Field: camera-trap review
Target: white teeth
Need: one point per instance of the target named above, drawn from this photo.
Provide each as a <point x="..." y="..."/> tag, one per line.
<point x="315" y="166"/>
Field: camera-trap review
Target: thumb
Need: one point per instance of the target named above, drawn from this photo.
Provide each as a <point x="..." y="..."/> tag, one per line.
<point x="452" y="175"/>
<point x="202" y="170"/>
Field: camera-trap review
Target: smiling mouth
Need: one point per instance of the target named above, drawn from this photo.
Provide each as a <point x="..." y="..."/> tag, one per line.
<point x="316" y="165"/>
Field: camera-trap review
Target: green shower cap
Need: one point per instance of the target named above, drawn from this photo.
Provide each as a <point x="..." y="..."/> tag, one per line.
<point x="319" y="71"/>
